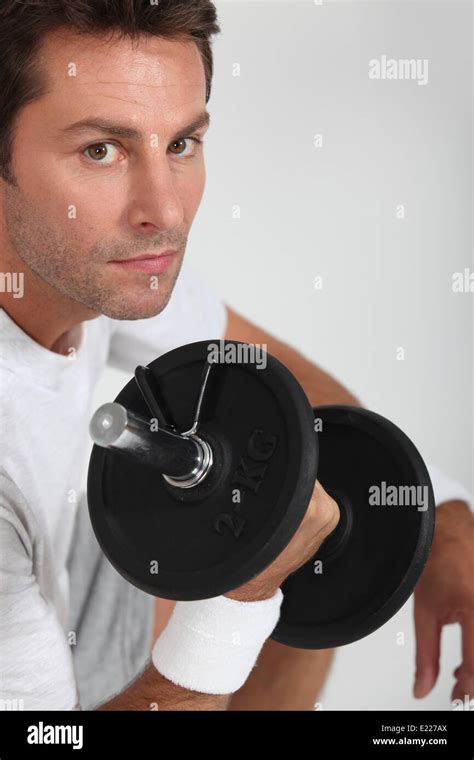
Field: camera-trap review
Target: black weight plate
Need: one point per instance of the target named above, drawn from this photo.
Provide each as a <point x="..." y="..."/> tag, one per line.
<point x="372" y="561"/>
<point x="203" y="542"/>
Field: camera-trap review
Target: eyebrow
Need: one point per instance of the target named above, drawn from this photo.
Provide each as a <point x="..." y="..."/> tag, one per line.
<point x="121" y="130"/>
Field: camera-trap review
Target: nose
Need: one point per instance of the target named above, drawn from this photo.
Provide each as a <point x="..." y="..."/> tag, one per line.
<point x="155" y="203"/>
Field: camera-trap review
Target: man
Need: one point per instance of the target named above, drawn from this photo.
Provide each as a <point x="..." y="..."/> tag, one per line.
<point x="103" y="172"/>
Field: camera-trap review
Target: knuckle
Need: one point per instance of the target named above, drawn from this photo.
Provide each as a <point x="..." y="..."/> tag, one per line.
<point x="327" y="509"/>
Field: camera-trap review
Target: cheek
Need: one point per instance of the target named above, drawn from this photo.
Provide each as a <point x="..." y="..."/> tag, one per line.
<point x="64" y="192"/>
<point x="54" y="193"/>
<point x="86" y="208"/>
<point x="191" y="190"/>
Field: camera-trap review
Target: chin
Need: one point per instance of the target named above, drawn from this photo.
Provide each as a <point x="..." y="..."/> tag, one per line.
<point x="129" y="300"/>
<point x="130" y="309"/>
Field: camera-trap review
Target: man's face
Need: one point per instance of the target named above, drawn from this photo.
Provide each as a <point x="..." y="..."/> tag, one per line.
<point x="86" y="197"/>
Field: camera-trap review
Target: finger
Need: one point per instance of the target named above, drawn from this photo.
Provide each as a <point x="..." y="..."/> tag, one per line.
<point x="326" y="508"/>
<point x="468" y="644"/>
<point x="428" y="636"/>
<point x="464" y="688"/>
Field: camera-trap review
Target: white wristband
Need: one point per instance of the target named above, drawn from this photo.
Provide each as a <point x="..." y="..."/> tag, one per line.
<point x="446" y="488"/>
<point x="212" y="645"/>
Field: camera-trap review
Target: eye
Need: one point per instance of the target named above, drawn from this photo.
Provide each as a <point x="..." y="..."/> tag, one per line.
<point x="101" y="153"/>
<point x="195" y="143"/>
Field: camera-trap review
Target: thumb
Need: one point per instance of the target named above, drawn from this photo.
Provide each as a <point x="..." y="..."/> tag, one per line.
<point x="428" y="635"/>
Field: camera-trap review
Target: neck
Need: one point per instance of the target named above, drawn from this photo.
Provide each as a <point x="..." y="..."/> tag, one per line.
<point x="47" y="316"/>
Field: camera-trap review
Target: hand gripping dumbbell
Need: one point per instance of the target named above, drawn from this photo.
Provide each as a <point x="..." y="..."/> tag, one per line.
<point x="202" y="471"/>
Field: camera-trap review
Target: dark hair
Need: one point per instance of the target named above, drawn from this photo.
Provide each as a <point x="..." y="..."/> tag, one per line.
<point x="23" y="23"/>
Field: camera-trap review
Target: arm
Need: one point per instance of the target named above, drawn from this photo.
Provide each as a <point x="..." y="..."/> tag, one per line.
<point x="289" y="678"/>
<point x="152" y="691"/>
<point x="36" y="663"/>
<point x="445" y="595"/>
<point x="320" y="386"/>
<point x="37" y="669"/>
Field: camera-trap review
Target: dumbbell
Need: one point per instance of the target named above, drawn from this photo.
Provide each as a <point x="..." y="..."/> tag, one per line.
<point x="202" y="470"/>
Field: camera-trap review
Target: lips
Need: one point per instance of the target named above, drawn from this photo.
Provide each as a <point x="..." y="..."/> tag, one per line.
<point x="148" y="262"/>
<point x="146" y="256"/>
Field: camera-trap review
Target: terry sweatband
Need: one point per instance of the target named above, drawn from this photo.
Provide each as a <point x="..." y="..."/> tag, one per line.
<point x="446" y="488"/>
<point x="211" y="645"/>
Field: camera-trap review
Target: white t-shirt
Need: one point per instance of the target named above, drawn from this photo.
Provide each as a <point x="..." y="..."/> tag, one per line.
<point x="44" y="415"/>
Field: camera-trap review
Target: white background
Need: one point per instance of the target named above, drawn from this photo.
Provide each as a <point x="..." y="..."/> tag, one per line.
<point x="331" y="212"/>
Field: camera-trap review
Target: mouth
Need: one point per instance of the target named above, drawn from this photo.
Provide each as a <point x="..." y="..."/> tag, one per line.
<point x="148" y="262"/>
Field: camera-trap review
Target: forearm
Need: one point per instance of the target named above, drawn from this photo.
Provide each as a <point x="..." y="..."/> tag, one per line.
<point x="284" y="678"/>
<point x="452" y="519"/>
<point x="287" y="678"/>
<point x="198" y="648"/>
<point x="152" y="691"/>
<point x="320" y="386"/>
